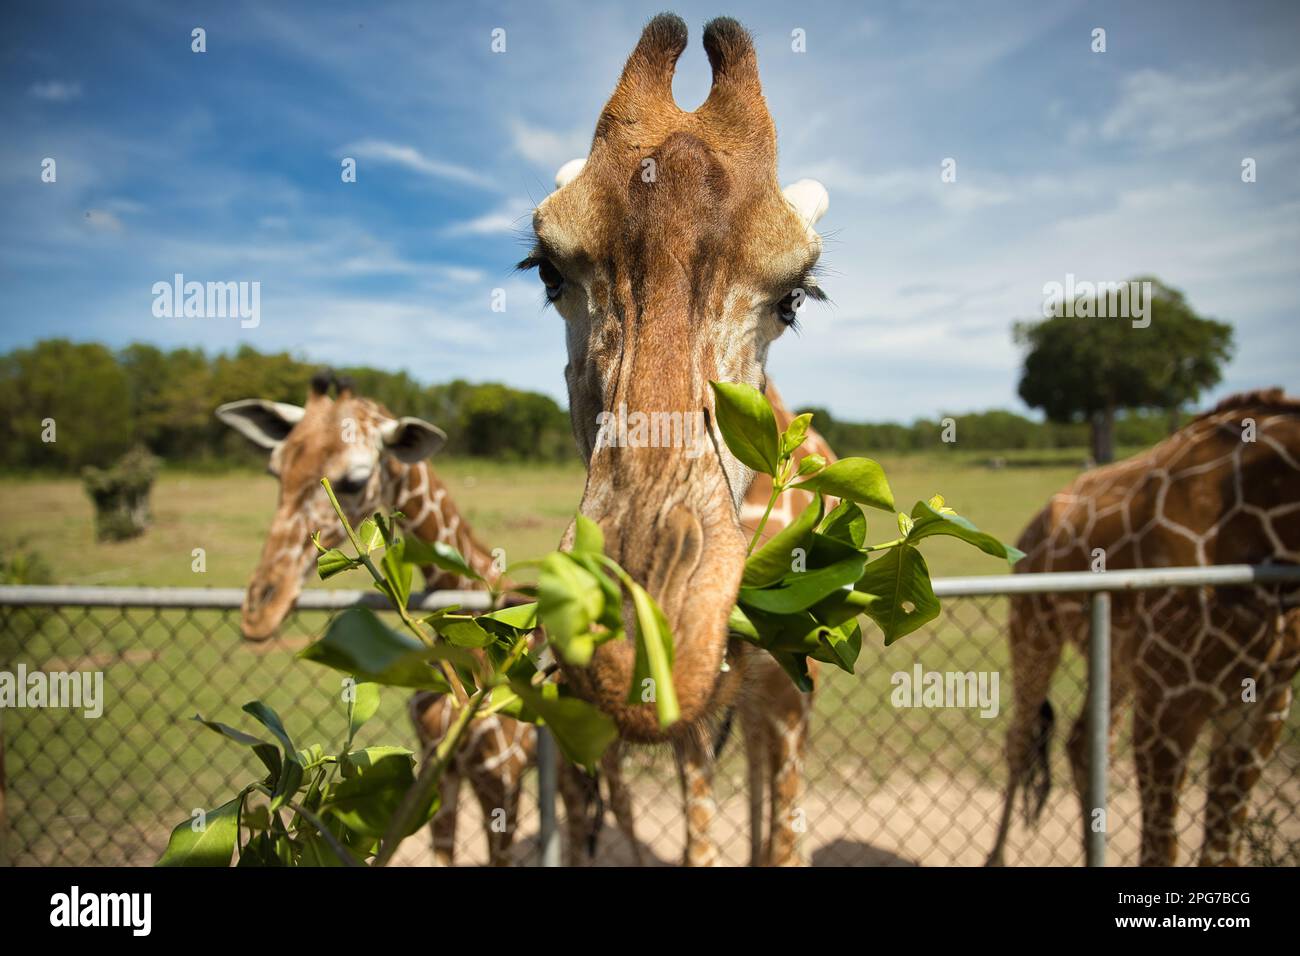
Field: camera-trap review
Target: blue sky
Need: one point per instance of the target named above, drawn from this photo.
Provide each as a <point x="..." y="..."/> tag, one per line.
<point x="224" y="166"/>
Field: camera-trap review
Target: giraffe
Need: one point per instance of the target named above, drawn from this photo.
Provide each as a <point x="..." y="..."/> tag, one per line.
<point x="675" y="259"/>
<point x="376" y="462"/>
<point x="774" y="716"/>
<point x="1224" y="489"/>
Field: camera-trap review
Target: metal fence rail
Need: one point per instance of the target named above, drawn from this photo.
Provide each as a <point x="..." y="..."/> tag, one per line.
<point x="883" y="785"/>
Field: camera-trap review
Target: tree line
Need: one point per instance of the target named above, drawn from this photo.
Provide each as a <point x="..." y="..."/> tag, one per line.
<point x="96" y="403"/>
<point x="1102" y="384"/>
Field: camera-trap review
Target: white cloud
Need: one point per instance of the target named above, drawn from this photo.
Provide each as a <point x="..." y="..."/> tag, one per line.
<point x="55" y="91"/>
<point x="549" y="148"/>
<point x="408" y="157"/>
<point x="1163" y="111"/>
<point x="103" y="220"/>
<point x="504" y="220"/>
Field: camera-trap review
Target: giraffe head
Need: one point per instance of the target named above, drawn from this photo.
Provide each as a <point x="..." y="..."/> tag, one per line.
<point x="352" y="441"/>
<point x="674" y="258"/>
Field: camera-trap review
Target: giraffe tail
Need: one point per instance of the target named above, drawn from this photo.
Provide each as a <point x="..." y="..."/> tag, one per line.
<point x="1038" y="771"/>
<point x="723" y="732"/>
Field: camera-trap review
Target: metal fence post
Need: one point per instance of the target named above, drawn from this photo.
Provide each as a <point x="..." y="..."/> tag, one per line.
<point x="1098" y="729"/>
<point x="548" y="836"/>
<point x="4" y="819"/>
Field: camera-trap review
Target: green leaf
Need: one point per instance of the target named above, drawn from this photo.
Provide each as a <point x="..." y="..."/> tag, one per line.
<point x="369" y="535"/>
<point x="795" y="433"/>
<point x="570" y="600"/>
<point x="211" y="846"/>
<point x="740" y="624"/>
<point x="587" y="536"/>
<point x="398" y="571"/>
<point x="772" y="561"/>
<point x="654" y="647"/>
<point x="332" y="562"/>
<point x="846" y="523"/>
<point x="357" y="642"/>
<point x="462" y="630"/>
<point x="800" y="590"/>
<point x="928" y="521"/>
<point x="857" y="479"/>
<point x="287" y="786"/>
<point x="811" y="463"/>
<point x="366" y="801"/>
<point x="269" y="719"/>
<point x="520" y="617"/>
<point x="902" y="598"/>
<point x="266" y="751"/>
<point x="364" y="704"/>
<point x="581" y="731"/>
<point x="440" y="555"/>
<point x="841" y="644"/>
<point x="748" y="425"/>
<point x="315" y="851"/>
<point x="358" y="761"/>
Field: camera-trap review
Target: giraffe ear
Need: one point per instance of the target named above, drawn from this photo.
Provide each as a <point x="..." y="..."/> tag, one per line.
<point x="569" y="172"/>
<point x="264" y="423"/>
<point x="411" y="439"/>
<point x="809" y="198"/>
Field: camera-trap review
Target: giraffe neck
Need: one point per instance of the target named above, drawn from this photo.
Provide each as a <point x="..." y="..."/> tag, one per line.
<point x="430" y="515"/>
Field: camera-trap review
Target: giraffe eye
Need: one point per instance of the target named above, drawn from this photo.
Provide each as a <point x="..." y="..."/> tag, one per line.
<point x="551" y="278"/>
<point x="787" y="309"/>
<point x="351" y="483"/>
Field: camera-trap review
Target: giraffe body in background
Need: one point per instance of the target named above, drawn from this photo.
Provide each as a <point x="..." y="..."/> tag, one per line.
<point x="1224" y="489"/>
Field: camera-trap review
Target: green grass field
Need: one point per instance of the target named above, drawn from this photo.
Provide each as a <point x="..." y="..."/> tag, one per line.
<point x="522" y="508"/>
<point x="108" y="790"/>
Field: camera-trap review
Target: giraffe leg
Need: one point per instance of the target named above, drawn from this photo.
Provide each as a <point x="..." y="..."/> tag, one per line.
<point x="577" y="790"/>
<point x="1164" y="732"/>
<point x="1077" y="746"/>
<point x="787" y="735"/>
<point x="1035" y="654"/>
<point x="431" y="715"/>
<point x="498" y="796"/>
<point x="695" y="768"/>
<point x="754" y="731"/>
<point x="620" y="799"/>
<point x="1244" y="739"/>
<point x="443" y="826"/>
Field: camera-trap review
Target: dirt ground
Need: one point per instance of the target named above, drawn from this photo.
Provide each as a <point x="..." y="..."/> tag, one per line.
<point x="907" y="822"/>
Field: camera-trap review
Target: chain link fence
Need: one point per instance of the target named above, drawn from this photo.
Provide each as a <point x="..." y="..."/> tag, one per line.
<point x="884" y="785"/>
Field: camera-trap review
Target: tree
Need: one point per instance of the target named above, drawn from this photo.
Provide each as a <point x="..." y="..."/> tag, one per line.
<point x="63" y="405"/>
<point x="1081" y="367"/>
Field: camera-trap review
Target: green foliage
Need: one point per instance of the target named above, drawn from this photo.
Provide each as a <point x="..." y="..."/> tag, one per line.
<point x="104" y="402"/>
<point x="21" y="565"/>
<point x="802" y="592"/>
<point x="121" y="495"/>
<point x="1077" y="368"/>
<point x="315" y="807"/>
<point x="801" y="597"/>
<point x="81" y="388"/>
